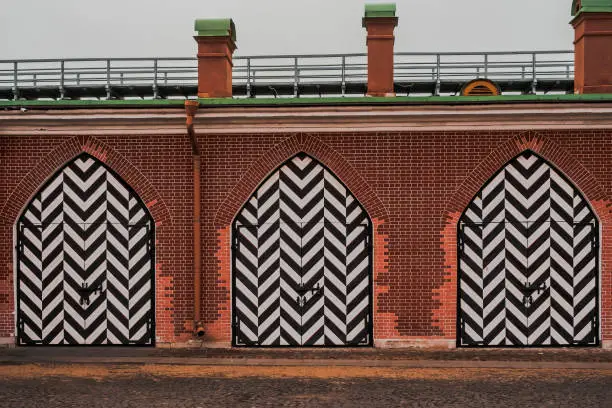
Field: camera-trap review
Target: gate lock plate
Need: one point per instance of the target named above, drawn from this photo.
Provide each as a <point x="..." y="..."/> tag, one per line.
<point x="530" y="289"/>
<point x="85" y="291"/>
<point x="315" y="289"/>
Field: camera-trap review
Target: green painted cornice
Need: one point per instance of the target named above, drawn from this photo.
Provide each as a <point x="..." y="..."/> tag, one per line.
<point x="591" y="6"/>
<point x="221" y="27"/>
<point x="380" y="10"/>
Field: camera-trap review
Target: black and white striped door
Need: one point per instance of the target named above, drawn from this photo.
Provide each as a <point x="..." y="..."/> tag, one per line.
<point x="528" y="261"/>
<point x="85" y="261"/>
<point x="302" y="262"/>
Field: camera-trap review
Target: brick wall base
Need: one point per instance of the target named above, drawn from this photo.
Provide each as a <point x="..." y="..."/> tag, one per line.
<point x="414" y="186"/>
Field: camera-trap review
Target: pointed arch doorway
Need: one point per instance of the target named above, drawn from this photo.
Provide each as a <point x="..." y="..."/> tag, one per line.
<point x="528" y="261"/>
<point x="302" y="262"/>
<point x="85" y="261"/>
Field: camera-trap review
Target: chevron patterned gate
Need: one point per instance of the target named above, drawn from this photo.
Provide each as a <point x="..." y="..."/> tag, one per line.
<point x="302" y="262"/>
<point x="85" y="261"/>
<point x="528" y="261"/>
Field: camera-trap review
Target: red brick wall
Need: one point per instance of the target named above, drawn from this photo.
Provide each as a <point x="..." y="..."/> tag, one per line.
<point x="413" y="185"/>
<point x="159" y="168"/>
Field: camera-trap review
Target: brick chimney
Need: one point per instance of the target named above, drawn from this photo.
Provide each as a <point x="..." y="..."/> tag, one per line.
<point x="380" y="22"/>
<point x="593" y="46"/>
<point x="216" y="45"/>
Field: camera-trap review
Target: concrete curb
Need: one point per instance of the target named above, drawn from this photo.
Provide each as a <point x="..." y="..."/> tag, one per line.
<point x="262" y="362"/>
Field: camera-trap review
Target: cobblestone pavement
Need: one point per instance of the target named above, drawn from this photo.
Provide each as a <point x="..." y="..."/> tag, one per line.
<point x="37" y="354"/>
<point x="93" y="386"/>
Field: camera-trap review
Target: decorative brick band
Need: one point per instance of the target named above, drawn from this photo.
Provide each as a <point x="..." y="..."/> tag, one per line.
<point x="530" y="140"/>
<point x="65" y="152"/>
<point x="285" y="150"/>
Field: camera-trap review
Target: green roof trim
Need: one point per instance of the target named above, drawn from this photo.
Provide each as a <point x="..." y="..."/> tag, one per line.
<point x="346" y="101"/>
<point x="220" y="27"/>
<point x="591" y="6"/>
<point x="380" y="10"/>
<point x="407" y="100"/>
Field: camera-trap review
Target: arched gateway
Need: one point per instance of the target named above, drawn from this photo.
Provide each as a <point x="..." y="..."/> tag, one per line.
<point x="85" y="262"/>
<point x="302" y="262"/>
<point x="528" y="261"/>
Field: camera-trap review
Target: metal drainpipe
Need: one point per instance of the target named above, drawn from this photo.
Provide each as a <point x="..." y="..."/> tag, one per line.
<point x="191" y="108"/>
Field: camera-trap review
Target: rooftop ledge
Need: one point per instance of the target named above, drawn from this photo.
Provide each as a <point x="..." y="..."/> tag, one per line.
<point x="339" y="101"/>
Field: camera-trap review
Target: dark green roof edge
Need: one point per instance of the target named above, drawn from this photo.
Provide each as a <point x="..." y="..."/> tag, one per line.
<point x="380" y="10"/>
<point x="591" y="6"/>
<point x="406" y="100"/>
<point x="219" y="27"/>
<point x="401" y="100"/>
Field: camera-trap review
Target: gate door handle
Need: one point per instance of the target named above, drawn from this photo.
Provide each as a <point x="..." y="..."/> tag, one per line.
<point x="316" y="289"/>
<point x="542" y="287"/>
<point x="85" y="291"/>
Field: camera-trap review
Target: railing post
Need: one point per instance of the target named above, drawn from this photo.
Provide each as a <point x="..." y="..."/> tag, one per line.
<point x="296" y="78"/>
<point x="62" y="72"/>
<point x="248" y="84"/>
<point x="155" y="89"/>
<point x="343" y="82"/>
<point x="534" y="82"/>
<point x="15" y="81"/>
<point x="438" y="64"/>
<point x="486" y="65"/>
<point x="108" y="78"/>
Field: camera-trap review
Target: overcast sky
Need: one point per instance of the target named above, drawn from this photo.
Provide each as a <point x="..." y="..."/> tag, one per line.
<point x="164" y="28"/>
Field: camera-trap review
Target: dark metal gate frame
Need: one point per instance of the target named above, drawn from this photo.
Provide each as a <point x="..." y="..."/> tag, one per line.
<point x="18" y="250"/>
<point x="370" y="243"/>
<point x="596" y="247"/>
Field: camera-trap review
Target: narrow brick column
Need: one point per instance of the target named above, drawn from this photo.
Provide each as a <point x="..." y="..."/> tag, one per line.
<point x="380" y="22"/>
<point x="216" y="45"/>
<point x="593" y="46"/>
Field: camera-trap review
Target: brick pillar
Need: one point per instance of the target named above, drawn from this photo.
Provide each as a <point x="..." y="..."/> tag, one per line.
<point x="593" y="46"/>
<point x="380" y="22"/>
<point x="216" y="45"/>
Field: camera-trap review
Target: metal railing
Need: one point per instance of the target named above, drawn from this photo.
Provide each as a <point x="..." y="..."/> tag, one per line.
<point x="283" y="75"/>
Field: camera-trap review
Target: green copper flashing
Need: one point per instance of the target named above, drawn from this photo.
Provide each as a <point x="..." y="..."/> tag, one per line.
<point x="339" y="101"/>
<point x="380" y="10"/>
<point x="407" y="100"/>
<point x="591" y="6"/>
<point x="221" y="27"/>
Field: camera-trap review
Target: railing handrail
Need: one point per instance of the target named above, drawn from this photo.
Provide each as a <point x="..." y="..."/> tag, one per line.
<point x="282" y="56"/>
<point x="281" y="70"/>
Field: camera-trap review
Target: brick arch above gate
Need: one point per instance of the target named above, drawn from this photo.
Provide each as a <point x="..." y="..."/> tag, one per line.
<point x="445" y="295"/>
<point x="314" y="147"/>
<point x="67" y="151"/>
<point x="539" y="144"/>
